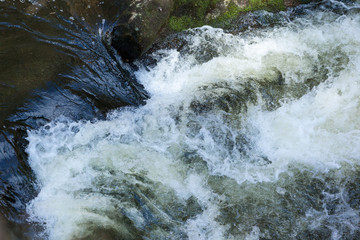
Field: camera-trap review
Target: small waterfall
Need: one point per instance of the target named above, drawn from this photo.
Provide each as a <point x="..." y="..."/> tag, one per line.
<point x="253" y="134"/>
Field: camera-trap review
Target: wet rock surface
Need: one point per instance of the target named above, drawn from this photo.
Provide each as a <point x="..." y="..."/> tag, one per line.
<point x="139" y="26"/>
<point x="135" y="24"/>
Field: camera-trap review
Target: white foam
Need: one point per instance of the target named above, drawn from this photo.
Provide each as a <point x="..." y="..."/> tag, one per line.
<point x="75" y="163"/>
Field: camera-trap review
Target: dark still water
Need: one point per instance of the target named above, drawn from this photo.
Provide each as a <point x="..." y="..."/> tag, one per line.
<point x="248" y="135"/>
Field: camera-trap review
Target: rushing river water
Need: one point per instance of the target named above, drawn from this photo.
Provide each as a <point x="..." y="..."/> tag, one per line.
<point x="253" y="134"/>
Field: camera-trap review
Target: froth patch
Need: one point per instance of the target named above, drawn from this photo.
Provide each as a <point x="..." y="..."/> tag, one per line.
<point x="264" y="116"/>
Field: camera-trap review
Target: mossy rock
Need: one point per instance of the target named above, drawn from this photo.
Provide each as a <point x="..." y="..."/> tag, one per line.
<point x="219" y="13"/>
<point x="189" y="14"/>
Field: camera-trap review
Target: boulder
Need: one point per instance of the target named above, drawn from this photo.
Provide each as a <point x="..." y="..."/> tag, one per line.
<point x="139" y="26"/>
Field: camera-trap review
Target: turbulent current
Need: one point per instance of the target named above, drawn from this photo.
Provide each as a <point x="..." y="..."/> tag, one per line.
<point x="251" y="134"/>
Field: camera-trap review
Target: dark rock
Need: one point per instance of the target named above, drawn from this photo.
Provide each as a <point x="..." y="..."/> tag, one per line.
<point x="139" y="26"/>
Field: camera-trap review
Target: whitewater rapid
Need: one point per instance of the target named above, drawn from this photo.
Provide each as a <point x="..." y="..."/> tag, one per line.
<point x="245" y="136"/>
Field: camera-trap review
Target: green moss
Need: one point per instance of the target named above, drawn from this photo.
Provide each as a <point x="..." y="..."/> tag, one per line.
<point x="232" y="12"/>
<point x="181" y="23"/>
<point x="203" y="7"/>
<point x="269" y="5"/>
<point x="192" y="13"/>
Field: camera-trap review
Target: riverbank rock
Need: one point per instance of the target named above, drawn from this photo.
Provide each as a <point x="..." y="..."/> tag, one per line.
<point x="138" y="27"/>
<point x="137" y="24"/>
<point x="218" y="13"/>
<point x="146" y="21"/>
